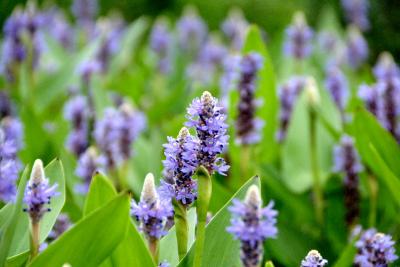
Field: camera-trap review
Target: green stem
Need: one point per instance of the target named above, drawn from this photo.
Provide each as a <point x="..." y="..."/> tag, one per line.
<point x="153" y="247"/>
<point x="317" y="190"/>
<point x="244" y="162"/>
<point x="204" y="186"/>
<point x="34" y="240"/>
<point x="182" y="228"/>
<point x="373" y="186"/>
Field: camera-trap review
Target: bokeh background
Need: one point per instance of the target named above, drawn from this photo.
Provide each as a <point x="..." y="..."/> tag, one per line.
<point x="272" y="15"/>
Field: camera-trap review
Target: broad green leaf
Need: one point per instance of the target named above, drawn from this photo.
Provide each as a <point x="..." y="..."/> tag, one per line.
<point x="168" y="244"/>
<point x="100" y="192"/>
<point x="9" y="230"/>
<point x="92" y="239"/>
<point x="347" y="257"/>
<point x="18" y="260"/>
<point x="221" y="249"/>
<point x="269" y="264"/>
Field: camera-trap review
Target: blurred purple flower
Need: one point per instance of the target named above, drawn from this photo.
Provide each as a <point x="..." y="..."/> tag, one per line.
<point x="192" y="31"/>
<point x="370" y="95"/>
<point x="356" y="12"/>
<point x="234" y="27"/>
<point x="89" y="162"/>
<point x="386" y="69"/>
<point x="337" y="85"/>
<point x="248" y="127"/>
<point x="298" y="38"/>
<point x="288" y="94"/>
<point x="313" y="259"/>
<point x="85" y="10"/>
<point x="374" y="249"/>
<point x="207" y="117"/>
<point x="160" y="40"/>
<point x="356" y="48"/>
<point x="252" y="225"/>
<point x="63" y="223"/>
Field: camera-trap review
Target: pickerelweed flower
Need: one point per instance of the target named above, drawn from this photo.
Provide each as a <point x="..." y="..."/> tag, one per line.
<point x="288" y="94"/>
<point x="313" y="259"/>
<point x="164" y="264"/>
<point x="77" y="112"/>
<point x="10" y="165"/>
<point x="179" y="168"/>
<point x="252" y="224"/>
<point x="337" y="86"/>
<point x="370" y="95"/>
<point x="356" y="12"/>
<point x="356" y="48"/>
<point x="327" y="41"/>
<point x="192" y="31"/>
<point x="5" y="105"/>
<point x="207" y="117"/>
<point x="248" y="127"/>
<point x="347" y="161"/>
<point x="85" y="10"/>
<point x="234" y="28"/>
<point x="386" y="69"/>
<point x="151" y="211"/>
<point x="160" y="40"/>
<point x="298" y="38"/>
<point x="38" y="193"/>
<point x="230" y="76"/>
<point x="89" y="162"/>
<point x="374" y="250"/>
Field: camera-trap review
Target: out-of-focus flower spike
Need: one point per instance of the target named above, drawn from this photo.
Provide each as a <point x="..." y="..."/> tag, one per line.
<point x="298" y="38"/>
<point x="356" y="48"/>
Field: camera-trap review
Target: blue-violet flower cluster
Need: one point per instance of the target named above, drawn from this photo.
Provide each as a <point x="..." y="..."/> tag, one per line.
<point x="298" y="38"/>
<point x="313" y="259"/>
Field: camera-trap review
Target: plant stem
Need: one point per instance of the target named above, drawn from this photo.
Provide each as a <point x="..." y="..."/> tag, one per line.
<point x="182" y="228"/>
<point x="153" y="247"/>
<point x="373" y="186"/>
<point x="34" y="239"/>
<point x="317" y="190"/>
<point x="244" y="162"/>
<point x="204" y="194"/>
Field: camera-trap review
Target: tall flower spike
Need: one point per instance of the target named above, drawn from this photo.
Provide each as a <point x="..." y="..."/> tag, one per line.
<point x="234" y="27"/>
<point x="337" y="86"/>
<point x="298" y="38"/>
<point x="207" y="117"/>
<point x="179" y="168"/>
<point x="386" y="68"/>
<point x="370" y="95"/>
<point x="151" y="211"/>
<point x="388" y="111"/>
<point x="63" y="223"/>
<point x="374" y="249"/>
<point x="356" y="48"/>
<point x="38" y="193"/>
<point x="252" y="224"/>
<point x="192" y="31"/>
<point x="248" y="127"/>
<point x="160" y="39"/>
<point x="347" y="161"/>
<point x="356" y="12"/>
<point x="288" y="94"/>
<point x="313" y="259"/>
<point x="85" y="11"/>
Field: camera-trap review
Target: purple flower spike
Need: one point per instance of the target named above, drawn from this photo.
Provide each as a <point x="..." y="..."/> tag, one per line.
<point x="374" y="250"/>
<point x="337" y="85"/>
<point x="386" y="69"/>
<point x="207" y="117"/>
<point x="357" y="13"/>
<point x="252" y="225"/>
<point x="152" y="212"/>
<point x="313" y="259"/>
<point x="234" y="27"/>
<point x="85" y="10"/>
<point x="247" y="125"/>
<point x="38" y="193"/>
<point x="160" y="39"/>
<point x="288" y="94"/>
<point x="89" y="163"/>
<point x="370" y="95"/>
<point x="298" y="38"/>
<point x="179" y="168"/>
<point x="63" y="223"/>
<point x="77" y="112"/>
<point x="192" y="31"/>
<point x="347" y="161"/>
<point x="356" y="48"/>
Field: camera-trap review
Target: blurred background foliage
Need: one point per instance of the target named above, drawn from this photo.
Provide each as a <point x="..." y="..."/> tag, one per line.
<point x="272" y="15"/>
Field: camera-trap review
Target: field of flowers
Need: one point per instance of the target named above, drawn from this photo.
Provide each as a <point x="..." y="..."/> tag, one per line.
<point x="160" y="142"/>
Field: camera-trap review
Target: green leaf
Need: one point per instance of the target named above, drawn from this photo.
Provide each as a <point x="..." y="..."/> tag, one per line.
<point x="8" y="231"/>
<point x="100" y="192"/>
<point x="347" y="257"/>
<point x="168" y="244"/>
<point x="269" y="264"/>
<point x="221" y="249"/>
<point x="18" y="260"/>
<point x="92" y="239"/>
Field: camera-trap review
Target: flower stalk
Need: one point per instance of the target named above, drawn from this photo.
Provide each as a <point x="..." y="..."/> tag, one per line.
<point x="35" y="243"/>
<point x="203" y="201"/>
